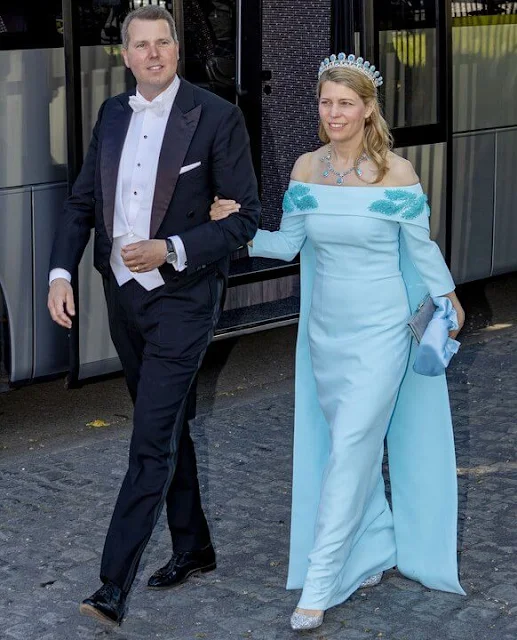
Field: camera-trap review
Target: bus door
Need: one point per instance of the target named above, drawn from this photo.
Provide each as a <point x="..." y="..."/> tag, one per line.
<point x="95" y="72"/>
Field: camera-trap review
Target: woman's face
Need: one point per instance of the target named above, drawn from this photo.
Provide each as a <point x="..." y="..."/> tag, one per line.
<point x="342" y="112"/>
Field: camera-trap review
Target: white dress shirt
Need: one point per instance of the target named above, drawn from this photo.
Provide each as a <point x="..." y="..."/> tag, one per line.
<point x="136" y="182"/>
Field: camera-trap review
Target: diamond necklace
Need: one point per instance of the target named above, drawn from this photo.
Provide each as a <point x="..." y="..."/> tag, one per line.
<point x="341" y="175"/>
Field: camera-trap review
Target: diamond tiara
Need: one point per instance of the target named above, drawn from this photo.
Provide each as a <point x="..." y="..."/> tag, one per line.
<point x="362" y="65"/>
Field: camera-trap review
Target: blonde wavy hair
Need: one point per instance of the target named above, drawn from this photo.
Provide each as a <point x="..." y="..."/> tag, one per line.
<point x="377" y="141"/>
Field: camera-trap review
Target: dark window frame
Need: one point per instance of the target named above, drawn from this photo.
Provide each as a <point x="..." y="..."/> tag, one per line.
<point x="436" y="132"/>
<point x="348" y="12"/>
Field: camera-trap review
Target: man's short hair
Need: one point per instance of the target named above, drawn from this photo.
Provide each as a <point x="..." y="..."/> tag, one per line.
<point x="152" y="12"/>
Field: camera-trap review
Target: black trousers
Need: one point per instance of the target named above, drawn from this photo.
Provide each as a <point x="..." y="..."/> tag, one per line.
<point x="161" y="338"/>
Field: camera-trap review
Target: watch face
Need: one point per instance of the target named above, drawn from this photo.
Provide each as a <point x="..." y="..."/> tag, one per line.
<point x="171" y="257"/>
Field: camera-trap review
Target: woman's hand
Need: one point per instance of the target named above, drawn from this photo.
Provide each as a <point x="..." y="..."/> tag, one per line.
<point x="459" y="312"/>
<point x="221" y="209"/>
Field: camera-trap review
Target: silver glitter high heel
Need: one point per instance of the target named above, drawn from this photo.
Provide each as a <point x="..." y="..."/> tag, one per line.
<point x="302" y="621"/>
<point x="372" y="581"/>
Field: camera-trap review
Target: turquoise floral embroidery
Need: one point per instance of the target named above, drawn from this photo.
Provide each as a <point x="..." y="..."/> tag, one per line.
<point x="299" y="197"/>
<point x="399" y="202"/>
<point x="288" y="205"/>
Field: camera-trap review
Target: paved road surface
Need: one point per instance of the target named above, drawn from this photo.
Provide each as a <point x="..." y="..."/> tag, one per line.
<point x="60" y="478"/>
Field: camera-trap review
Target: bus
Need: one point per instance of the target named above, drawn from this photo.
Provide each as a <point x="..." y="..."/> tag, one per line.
<point x="450" y="72"/>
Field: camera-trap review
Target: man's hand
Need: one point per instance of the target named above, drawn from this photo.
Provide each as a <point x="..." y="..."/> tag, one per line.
<point x="145" y="255"/>
<point x="61" y="302"/>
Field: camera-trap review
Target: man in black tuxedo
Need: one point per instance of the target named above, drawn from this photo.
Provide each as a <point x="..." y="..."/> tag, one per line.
<point x="155" y="161"/>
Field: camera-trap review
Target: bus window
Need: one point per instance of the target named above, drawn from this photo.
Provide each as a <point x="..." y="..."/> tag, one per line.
<point x="466" y="9"/>
<point x="101" y="21"/>
<point x="210" y="32"/>
<point x="484" y="41"/>
<point x="25" y="24"/>
<point x="407" y="45"/>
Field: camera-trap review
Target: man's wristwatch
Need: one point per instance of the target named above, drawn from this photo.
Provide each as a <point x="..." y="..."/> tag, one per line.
<point x="171" y="256"/>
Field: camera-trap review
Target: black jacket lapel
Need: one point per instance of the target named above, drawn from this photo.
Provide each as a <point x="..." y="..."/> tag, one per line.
<point x="180" y="129"/>
<point x="115" y="130"/>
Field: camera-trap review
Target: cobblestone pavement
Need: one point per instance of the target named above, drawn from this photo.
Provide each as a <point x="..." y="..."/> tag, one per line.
<point x="56" y="504"/>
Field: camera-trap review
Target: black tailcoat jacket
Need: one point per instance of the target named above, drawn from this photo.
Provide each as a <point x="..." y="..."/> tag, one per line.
<point x="201" y="128"/>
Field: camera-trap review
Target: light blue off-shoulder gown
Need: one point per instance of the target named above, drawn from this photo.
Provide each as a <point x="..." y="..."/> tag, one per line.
<point x="353" y="354"/>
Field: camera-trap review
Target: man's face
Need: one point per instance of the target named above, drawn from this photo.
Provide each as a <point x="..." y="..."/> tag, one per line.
<point x="152" y="55"/>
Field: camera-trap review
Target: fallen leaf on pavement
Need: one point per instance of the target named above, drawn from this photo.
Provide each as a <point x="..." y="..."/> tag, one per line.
<point x="96" y="424"/>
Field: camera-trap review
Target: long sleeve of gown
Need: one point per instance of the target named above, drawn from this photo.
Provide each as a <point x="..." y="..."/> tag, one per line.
<point x="428" y="260"/>
<point x="283" y="244"/>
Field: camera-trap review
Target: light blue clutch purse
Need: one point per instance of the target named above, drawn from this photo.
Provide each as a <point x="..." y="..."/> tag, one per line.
<point x="435" y="349"/>
<point x="421" y="318"/>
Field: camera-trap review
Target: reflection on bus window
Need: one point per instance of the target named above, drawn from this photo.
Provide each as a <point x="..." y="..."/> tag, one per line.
<point x="406" y="14"/>
<point x="484" y="41"/>
<point x="210" y="44"/>
<point x="101" y="21"/>
<point x="25" y="24"/>
<point x="407" y="32"/>
<point x="463" y="9"/>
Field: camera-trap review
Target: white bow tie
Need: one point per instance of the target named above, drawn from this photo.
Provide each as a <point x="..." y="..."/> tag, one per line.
<point x="137" y="103"/>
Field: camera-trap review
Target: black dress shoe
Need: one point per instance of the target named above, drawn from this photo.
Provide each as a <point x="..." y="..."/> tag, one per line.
<point x="106" y="605"/>
<point x="181" y="566"/>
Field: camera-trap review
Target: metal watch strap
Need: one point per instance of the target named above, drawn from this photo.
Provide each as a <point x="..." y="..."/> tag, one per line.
<point x="170" y="245"/>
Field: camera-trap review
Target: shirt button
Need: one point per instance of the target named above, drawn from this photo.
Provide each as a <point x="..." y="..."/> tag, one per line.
<point x="145" y="137"/>
<point x="138" y="165"/>
<point x="135" y="193"/>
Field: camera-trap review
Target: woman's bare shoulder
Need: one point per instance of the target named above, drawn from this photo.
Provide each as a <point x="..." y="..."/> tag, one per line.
<point x="400" y="173"/>
<point x="303" y="167"/>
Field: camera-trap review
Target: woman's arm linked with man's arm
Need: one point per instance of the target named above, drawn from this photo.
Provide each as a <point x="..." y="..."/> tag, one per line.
<point x="284" y="244"/>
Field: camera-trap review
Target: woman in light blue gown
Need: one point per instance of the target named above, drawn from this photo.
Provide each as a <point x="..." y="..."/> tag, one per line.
<point x="357" y="213"/>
